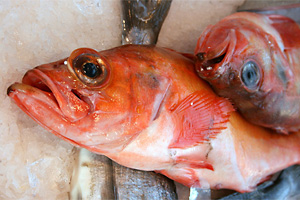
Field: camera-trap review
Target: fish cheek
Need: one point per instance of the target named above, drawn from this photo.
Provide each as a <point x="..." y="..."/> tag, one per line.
<point x="231" y="86"/>
<point x="226" y="83"/>
<point x="149" y="80"/>
<point x="148" y="93"/>
<point x="283" y="70"/>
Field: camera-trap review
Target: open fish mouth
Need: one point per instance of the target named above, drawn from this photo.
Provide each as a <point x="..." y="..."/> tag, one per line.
<point x="40" y="98"/>
<point x="211" y="60"/>
<point x="36" y="87"/>
<point x="211" y="63"/>
<point x="209" y="68"/>
<point x="38" y="91"/>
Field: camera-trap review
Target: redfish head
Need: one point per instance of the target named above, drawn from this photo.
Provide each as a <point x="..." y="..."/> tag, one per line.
<point x="240" y="58"/>
<point x="96" y="100"/>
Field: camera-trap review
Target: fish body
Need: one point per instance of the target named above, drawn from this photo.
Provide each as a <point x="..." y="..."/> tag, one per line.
<point x="254" y="60"/>
<point x="145" y="108"/>
<point x="141" y="22"/>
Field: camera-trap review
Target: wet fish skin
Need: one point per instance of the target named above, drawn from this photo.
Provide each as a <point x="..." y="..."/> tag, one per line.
<point x="142" y="20"/>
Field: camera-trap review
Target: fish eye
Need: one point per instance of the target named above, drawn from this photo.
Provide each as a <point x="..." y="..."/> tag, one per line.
<point x="88" y="67"/>
<point x="250" y="75"/>
<point x="91" y="70"/>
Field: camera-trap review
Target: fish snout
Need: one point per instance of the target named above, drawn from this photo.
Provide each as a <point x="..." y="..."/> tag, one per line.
<point x="56" y="85"/>
<point x="10" y="89"/>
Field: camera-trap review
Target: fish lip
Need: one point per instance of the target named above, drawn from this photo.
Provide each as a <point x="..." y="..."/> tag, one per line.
<point x="17" y="90"/>
<point x="37" y="79"/>
<point x="208" y="70"/>
<point x="27" y="87"/>
<point x="58" y="95"/>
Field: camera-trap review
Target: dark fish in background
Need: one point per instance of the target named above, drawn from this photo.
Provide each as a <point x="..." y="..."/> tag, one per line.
<point x="92" y="177"/>
<point x="136" y="184"/>
<point x="142" y="20"/>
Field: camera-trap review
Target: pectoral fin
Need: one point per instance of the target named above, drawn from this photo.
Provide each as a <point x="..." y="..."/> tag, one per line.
<point x="200" y="117"/>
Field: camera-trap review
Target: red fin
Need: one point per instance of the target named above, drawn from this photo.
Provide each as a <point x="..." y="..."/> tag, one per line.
<point x="201" y="116"/>
<point x="194" y="164"/>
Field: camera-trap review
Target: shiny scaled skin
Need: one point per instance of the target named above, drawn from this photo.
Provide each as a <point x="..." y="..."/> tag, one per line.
<point x="145" y="108"/>
<point x="254" y="60"/>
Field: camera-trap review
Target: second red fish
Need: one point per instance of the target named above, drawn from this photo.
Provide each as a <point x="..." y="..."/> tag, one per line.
<point x="254" y="60"/>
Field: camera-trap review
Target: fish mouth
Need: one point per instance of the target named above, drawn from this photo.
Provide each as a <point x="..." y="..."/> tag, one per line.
<point x="25" y="95"/>
<point x="35" y="87"/>
<point x="208" y="66"/>
<point x="39" y="91"/>
<point x="211" y="61"/>
<point x="40" y="98"/>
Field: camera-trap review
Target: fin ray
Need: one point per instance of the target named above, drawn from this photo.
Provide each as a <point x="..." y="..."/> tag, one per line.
<point x="201" y="116"/>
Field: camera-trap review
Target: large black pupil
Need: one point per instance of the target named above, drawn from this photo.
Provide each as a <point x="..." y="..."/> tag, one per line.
<point x="91" y="70"/>
<point x="250" y="74"/>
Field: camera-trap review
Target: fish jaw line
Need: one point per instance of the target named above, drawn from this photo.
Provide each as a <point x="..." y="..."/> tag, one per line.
<point x="41" y="108"/>
<point x="46" y="112"/>
<point x="38" y="105"/>
<point x="26" y="92"/>
<point x="36" y="78"/>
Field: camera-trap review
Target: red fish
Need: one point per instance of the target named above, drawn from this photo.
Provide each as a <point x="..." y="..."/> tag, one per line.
<point x="254" y="60"/>
<point x="146" y="108"/>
